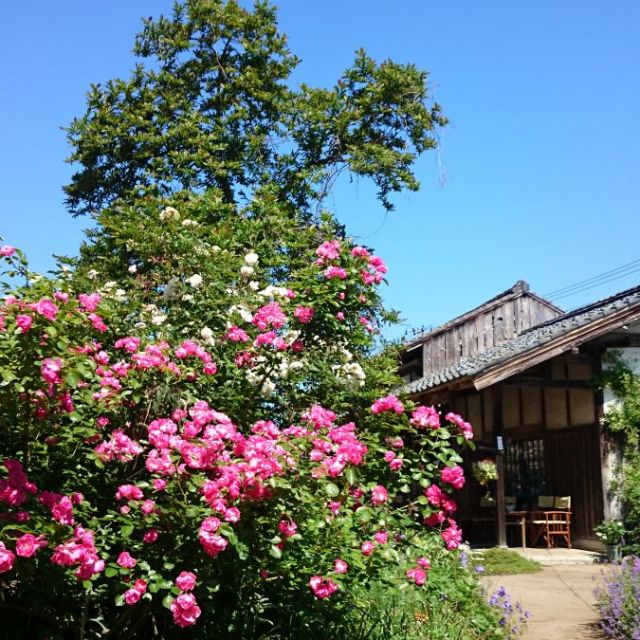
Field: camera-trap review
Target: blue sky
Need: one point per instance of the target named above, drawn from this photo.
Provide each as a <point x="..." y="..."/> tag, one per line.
<point x="538" y="177"/>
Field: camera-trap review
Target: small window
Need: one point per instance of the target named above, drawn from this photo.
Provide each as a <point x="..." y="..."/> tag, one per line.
<point x="524" y="471"/>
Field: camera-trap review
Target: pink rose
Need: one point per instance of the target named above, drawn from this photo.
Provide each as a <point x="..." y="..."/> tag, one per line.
<point x="287" y="528"/>
<point x="322" y="587"/>
<point x="7" y="251"/>
<point x="388" y="403"/>
<point x="27" y="545"/>
<point x="340" y="566"/>
<point x="50" y="370"/>
<point x="150" y="536"/>
<point x="7" y="558"/>
<point x="304" y="314"/>
<point x="185" y="610"/>
<point x="367" y="548"/>
<point x="186" y="581"/>
<point x="417" y="574"/>
<point x="453" y="475"/>
<point x="379" y="495"/>
<point x="24" y="322"/>
<point x="126" y="560"/>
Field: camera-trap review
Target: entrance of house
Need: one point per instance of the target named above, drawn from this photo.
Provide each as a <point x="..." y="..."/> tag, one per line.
<point x="561" y="463"/>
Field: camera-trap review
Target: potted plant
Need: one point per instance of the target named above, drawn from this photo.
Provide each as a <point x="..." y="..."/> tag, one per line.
<point x="611" y="532"/>
<point x="485" y="471"/>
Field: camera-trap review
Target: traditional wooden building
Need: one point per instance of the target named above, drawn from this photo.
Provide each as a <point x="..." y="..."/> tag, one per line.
<point x="521" y="371"/>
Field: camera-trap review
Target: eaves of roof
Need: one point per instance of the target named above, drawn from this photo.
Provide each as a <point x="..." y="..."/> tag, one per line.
<point x="537" y="344"/>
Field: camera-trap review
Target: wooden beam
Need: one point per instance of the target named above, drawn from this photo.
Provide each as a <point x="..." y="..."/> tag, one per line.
<point x="534" y="381"/>
<point x="556" y="347"/>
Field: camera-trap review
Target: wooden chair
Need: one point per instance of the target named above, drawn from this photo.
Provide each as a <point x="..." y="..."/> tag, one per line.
<point x="551" y="523"/>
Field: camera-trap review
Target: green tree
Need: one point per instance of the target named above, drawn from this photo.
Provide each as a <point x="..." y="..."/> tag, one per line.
<point x="212" y="107"/>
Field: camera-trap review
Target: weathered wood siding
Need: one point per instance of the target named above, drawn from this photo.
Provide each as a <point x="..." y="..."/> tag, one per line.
<point x="476" y="332"/>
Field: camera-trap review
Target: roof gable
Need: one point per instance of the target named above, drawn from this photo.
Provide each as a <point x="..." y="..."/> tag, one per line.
<point x="537" y="344"/>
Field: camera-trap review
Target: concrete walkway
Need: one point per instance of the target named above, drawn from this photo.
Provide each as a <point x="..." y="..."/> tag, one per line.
<point x="560" y="599"/>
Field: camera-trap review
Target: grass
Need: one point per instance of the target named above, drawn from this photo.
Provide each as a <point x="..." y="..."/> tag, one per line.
<point x="500" y="562"/>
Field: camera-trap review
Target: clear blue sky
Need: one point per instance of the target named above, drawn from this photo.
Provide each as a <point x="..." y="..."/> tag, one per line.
<point x="539" y="173"/>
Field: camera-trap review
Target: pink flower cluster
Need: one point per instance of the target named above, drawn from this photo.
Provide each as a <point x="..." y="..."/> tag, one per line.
<point x="304" y="314"/>
<point x="189" y="348"/>
<point x="465" y="428"/>
<point x="185" y="610"/>
<point x="322" y="587"/>
<point x="425" y="418"/>
<point x="328" y="251"/>
<point x="134" y="593"/>
<point x="119" y="446"/>
<point x="15" y="489"/>
<point x="453" y="475"/>
<point x="270" y="315"/>
<point x="61" y="506"/>
<point x="388" y="403"/>
<point x="7" y="558"/>
<point x="80" y="551"/>
<point x="419" y="574"/>
<point x="339" y="447"/>
<point x="50" y="370"/>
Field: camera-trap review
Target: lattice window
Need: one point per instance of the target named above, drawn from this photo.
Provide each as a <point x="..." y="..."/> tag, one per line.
<point x="524" y="471"/>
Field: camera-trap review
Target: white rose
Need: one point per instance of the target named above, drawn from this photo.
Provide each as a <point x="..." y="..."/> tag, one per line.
<point x="133" y="269"/>
<point x="169" y="213"/>
<point x="246" y="272"/>
<point x="251" y="259"/>
<point x="158" y="319"/>
<point x="119" y="295"/>
<point x="268" y="387"/>
<point x="190" y="223"/>
<point x="206" y="333"/>
<point x="187" y="297"/>
<point x="195" y="280"/>
<point x="254" y="286"/>
<point x="92" y="274"/>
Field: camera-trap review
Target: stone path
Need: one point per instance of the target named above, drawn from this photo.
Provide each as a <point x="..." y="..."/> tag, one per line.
<point x="560" y="599"/>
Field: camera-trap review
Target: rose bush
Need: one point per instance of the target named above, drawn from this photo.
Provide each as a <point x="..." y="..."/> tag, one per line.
<point x="174" y="458"/>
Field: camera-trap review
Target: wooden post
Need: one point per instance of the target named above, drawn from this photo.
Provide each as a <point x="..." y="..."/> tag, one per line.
<point x="500" y="501"/>
<point x="501" y="525"/>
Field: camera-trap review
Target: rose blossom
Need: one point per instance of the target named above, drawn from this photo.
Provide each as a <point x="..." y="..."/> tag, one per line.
<point x="340" y="566"/>
<point x="186" y="581"/>
<point x="126" y="560"/>
<point x="453" y="475"/>
<point x="379" y="495"/>
<point x="185" y="610"/>
<point x="287" y="528"/>
<point x="7" y="558"/>
<point x="27" y="545"/>
<point x="322" y="587"/>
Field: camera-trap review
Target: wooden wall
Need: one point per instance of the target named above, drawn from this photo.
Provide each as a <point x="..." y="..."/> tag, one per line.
<point x="554" y="407"/>
<point x="478" y="332"/>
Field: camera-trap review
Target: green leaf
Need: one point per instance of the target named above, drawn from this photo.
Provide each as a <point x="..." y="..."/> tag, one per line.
<point x="275" y="552"/>
<point x="331" y="489"/>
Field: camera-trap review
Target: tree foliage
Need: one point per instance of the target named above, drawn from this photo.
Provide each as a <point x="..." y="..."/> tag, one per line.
<point x="212" y="106"/>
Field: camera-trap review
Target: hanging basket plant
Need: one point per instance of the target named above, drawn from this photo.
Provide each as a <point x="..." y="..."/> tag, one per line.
<point x="485" y="471"/>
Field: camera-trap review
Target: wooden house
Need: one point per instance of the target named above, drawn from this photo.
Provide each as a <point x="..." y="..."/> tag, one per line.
<point x="521" y="371"/>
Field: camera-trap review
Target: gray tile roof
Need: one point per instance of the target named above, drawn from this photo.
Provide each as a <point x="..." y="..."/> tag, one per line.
<point x="528" y="340"/>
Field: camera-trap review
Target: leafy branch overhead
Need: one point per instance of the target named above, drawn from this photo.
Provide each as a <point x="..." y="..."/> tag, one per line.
<point x="211" y="106"/>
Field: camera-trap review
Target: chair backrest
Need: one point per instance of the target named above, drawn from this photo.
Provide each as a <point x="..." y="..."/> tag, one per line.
<point x="545" y="502"/>
<point x="562" y="502"/>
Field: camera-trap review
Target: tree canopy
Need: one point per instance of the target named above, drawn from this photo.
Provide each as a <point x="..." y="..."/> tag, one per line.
<point x="211" y="105"/>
